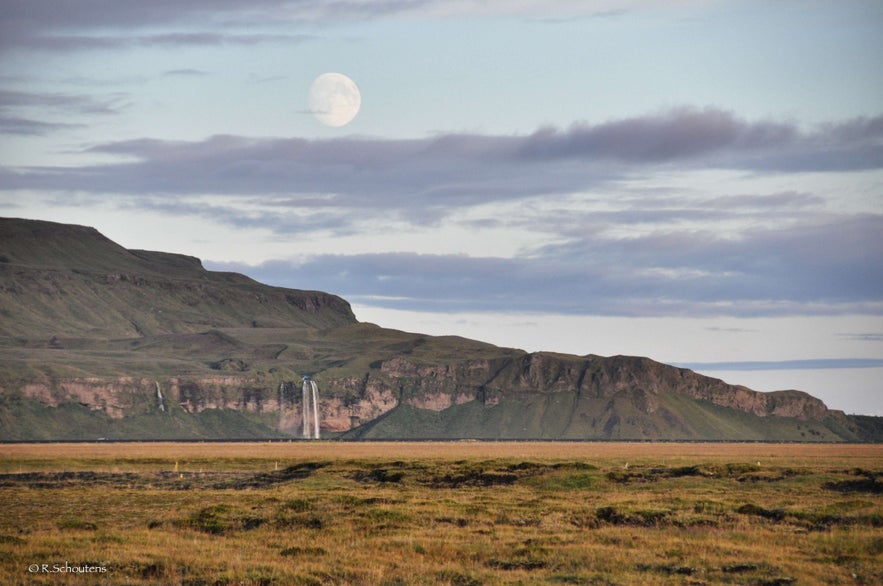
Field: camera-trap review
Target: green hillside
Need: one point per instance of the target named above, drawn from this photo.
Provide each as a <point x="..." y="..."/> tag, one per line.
<point x="565" y="416"/>
<point x="100" y="341"/>
<point x="70" y="281"/>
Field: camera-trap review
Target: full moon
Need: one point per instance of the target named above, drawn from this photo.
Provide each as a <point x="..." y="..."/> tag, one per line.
<point x="334" y="99"/>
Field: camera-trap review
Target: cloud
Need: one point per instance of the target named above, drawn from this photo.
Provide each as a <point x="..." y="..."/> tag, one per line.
<point x="766" y="273"/>
<point x="12" y="103"/>
<point x="186" y="72"/>
<point x="56" y="26"/>
<point x="675" y="134"/>
<point x="862" y="336"/>
<point x="783" y="200"/>
<point x="122" y="13"/>
<point x="28" y="127"/>
<point x="46" y="25"/>
<point x="638" y="253"/>
<point x="78" y="103"/>
<point x="428" y="175"/>
<point x="770" y="265"/>
<point x="51" y="26"/>
<point x="57" y="42"/>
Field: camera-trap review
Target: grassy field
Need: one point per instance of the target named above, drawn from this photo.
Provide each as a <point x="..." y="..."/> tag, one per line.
<point x="455" y="513"/>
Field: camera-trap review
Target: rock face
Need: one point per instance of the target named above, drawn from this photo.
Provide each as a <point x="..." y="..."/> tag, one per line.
<point x="636" y="385"/>
<point x="104" y="341"/>
<point x="438" y="387"/>
<point x="588" y="397"/>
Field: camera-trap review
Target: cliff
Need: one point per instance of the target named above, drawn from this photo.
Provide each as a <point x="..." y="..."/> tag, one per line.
<point x="100" y="341"/>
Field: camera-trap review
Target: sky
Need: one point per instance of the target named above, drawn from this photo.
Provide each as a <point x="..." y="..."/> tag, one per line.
<point x="696" y="181"/>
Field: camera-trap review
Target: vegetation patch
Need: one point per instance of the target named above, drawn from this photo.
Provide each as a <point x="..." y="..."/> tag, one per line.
<point x="610" y="514"/>
<point x="517" y="564"/>
<point x="667" y="569"/>
<point x="302" y="551"/>
<point x="221" y="519"/>
<point x="455" y="521"/>
<point x="261" y="480"/>
<point x="739" y="568"/>
<point x="215" y="519"/>
<point x="681" y="471"/>
<point x="777" y="581"/>
<point x="330" y="513"/>
<point x="76" y="525"/>
<point x="379" y="475"/>
<point x="758" y="511"/>
<point x="455" y="578"/>
<point x="11" y="539"/>
<point x="300" y="521"/>
<point x="68" y="479"/>
<point x="639" y="518"/>
<point x="299" y="505"/>
<point x="150" y="570"/>
<point x="555" y="480"/>
<point x="738" y="471"/>
<point x="868" y="482"/>
<point x="474" y="478"/>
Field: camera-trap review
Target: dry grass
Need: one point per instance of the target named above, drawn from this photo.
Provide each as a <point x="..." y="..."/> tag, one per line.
<point x="443" y="513"/>
<point x="258" y="453"/>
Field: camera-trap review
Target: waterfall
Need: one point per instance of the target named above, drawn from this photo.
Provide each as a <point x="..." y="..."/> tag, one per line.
<point x="315" y="407"/>
<point x="306" y="407"/>
<point x="162" y="405"/>
<point x="310" y="389"/>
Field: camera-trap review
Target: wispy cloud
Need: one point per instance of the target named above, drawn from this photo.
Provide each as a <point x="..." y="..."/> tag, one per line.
<point x="862" y="336"/>
<point x="811" y="364"/>
<point x="187" y="72"/>
<point x="56" y="42"/>
<point x="51" y="26"/>
<point x="117" y="13"/>
<point x="454" y="170"/>
<point x="15" y="107"/>
<point x="44" y="25"/>
<point x="731" y="330"/>
<point x="78" y="103"/>
<point x="28" y="127"/>
<point x="772" y="272"/>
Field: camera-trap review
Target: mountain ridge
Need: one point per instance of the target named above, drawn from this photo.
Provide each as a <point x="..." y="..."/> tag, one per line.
<point x="70" y="270"/>
<point x="100" y="341"/>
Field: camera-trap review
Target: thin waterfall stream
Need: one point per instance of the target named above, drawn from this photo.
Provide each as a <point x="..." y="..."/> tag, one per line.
<point x="310" y="390"/>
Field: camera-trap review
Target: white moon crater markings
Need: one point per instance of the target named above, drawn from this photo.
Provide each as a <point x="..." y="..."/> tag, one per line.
<point x="334" y="99"/>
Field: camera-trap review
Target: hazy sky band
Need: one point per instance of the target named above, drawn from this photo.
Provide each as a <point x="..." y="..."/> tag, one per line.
<point x="701" y="161"/>
<point x="820" y="364"/>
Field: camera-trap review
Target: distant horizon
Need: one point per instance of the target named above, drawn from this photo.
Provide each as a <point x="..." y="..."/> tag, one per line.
<point x="696" y="181"/>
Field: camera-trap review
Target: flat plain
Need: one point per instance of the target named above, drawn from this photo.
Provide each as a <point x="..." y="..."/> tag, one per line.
<point x="459" y="513"/>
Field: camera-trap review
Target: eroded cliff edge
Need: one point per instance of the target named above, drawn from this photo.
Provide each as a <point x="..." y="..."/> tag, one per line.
<point x="100" y="341"/>
<point x="511" y="396"/>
